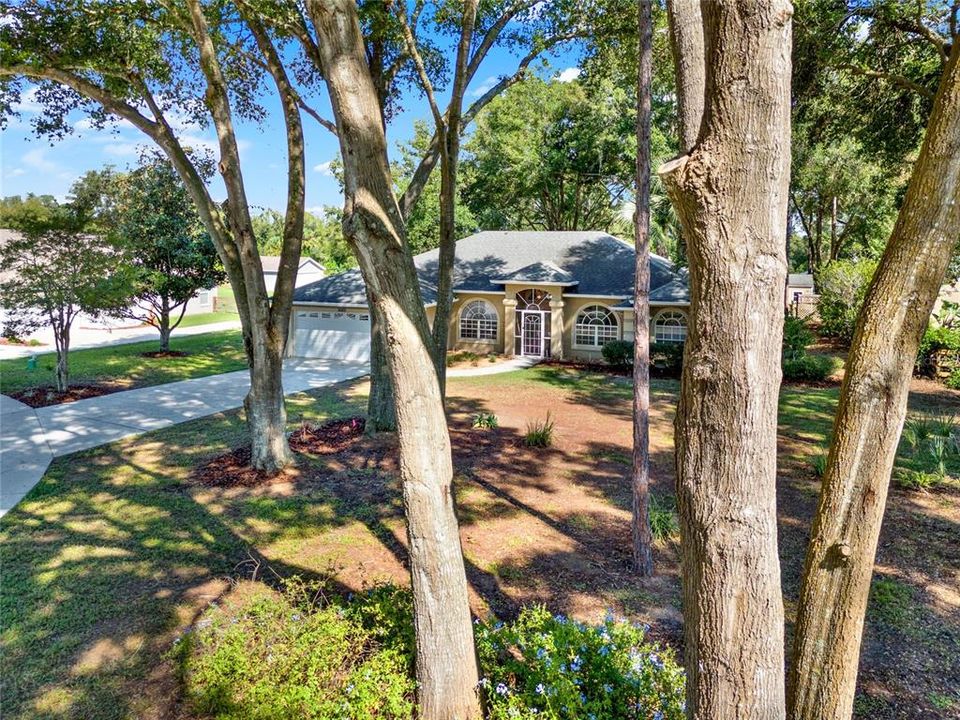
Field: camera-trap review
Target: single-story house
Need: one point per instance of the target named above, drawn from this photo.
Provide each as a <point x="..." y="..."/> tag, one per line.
<point x="309" y="271"/>
<point x="556" y="295"/>
<point x="799" y="286"/>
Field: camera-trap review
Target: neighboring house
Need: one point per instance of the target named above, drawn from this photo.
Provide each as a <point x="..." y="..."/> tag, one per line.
<point x="556" y="295"/>
<point x="309" y="271"/>
<point x="799" y="286"/>
<point x="800" y="297"/>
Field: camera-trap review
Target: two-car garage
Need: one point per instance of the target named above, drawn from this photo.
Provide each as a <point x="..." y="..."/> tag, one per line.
<point x="328" y="333"/>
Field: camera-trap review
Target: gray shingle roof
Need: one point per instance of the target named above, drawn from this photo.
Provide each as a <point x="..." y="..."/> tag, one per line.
<point x="599" y="263"/>
<point x="675" y="292"/>
<point x="538" y="272"/>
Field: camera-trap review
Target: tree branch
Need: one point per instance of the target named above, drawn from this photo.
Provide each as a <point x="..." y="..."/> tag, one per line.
<point x="421" y="68"/>
<point x="429" y="160"/>
<point x="914" y="28"/>
<point x="900" y="80"/>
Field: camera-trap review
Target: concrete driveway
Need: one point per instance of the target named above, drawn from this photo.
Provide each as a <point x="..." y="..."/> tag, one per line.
<point x="30" y="439"/>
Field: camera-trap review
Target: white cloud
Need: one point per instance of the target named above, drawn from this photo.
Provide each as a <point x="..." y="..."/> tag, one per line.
<point x="86" y="125"/>
<point x="37" y="159"/>
<point x="484" y="86"/>
<point x="16" y="172"/>
<point x="122" y="149"/>
<point x="324" y="168"/>
<point x="571" y="73"/>
<point x="317" y="210"/>
<point x="28" y="102"/>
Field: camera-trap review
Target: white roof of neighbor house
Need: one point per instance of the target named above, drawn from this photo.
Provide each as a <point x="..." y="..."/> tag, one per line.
<point x="271" y="263"/>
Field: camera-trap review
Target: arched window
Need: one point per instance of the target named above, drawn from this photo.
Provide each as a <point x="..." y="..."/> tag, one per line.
<point x="533" y="300"/>
<point x="478" y="321"/>
<point x="596" y="326"/>
<point x="670" y="326"/>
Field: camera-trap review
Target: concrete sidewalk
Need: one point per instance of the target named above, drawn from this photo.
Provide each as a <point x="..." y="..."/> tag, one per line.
<point x="81" y="338"/>
<point x="30" y="439"/>
<point x="516" y="363"/>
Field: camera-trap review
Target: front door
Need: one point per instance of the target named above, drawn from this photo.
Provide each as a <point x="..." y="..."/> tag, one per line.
<point x="532" y="335"/>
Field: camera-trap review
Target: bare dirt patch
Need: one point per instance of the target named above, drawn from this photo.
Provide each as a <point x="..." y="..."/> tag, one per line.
<point x="45" y="396"/>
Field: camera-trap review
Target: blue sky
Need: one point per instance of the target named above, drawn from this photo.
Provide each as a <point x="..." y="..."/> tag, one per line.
<point x="30" y="164"/>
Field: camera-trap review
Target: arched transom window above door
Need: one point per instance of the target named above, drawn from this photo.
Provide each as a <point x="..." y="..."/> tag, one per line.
<point x="533" y="300"/>
<point x="478" y="321"/>
<point x="670" y="326"/>
<point x="596" y="326"/>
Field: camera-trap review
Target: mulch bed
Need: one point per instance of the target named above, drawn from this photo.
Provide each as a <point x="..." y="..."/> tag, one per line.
<point x="232" y="469"/>
<point x="45" y="396"/>
<point x="329" y="438"/>
<point x="162" y="354"/>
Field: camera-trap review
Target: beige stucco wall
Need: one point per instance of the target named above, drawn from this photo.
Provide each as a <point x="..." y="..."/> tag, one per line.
<point x="478" y="346"/>
<point x="564" y="317"/>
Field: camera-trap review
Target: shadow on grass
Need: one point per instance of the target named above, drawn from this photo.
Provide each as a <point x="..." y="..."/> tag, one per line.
<point x="116" y="549"/>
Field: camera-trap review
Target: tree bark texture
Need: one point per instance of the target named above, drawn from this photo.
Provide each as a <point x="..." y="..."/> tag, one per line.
<point x="730" y="193"/>
<point x="446" y="665"/>
<point x="381" y="413"/>
<point x="686" y="43"/>
<point x="870" y="416"/>
<point x="640" y="525"/>
<point x="61" y="335"/>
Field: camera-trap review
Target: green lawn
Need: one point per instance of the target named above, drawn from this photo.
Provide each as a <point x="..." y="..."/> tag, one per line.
<point x="115" y="550"/>
<point x="126" y="367"/>
<point x="206" y="319"/>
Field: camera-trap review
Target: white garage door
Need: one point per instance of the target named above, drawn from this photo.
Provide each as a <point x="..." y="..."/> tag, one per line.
<point x="335" y="335"/>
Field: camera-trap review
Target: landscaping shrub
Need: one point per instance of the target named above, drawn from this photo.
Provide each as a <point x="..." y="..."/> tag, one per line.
<point x="540" y="433"/>
<point x="843" y="285"/>
<point x="663" y="517"/>
<point x="282" y="656"/>
<point x="796" y="337"/>
<point x="927" y="443"/>
<point x="818" y="463"/>
<point x="618" y="353"/>
<point x="279" y="656"/>
<point x="485" y="420"/>
<point x="807" y="368"/>
<point x="953" y="381"/>
<point x="549" y="667"/>
<point x="666" y="358"/>
<point x="937" y="341"/>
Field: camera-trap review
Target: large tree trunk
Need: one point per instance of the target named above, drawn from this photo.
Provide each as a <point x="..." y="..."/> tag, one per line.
<point x="265" y="408"/>
<point x="686" y="44"/>
<point x="730" y="192"/>
<point x="381" y="413"/>
<point x="642" y="535"/>
<point x="447" y="255"/>
<point x="866" y="431"/>
<point x="446" y="664"/>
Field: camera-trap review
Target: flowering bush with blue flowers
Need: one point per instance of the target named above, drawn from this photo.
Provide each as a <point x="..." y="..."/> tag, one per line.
<point x="549" y="667"/>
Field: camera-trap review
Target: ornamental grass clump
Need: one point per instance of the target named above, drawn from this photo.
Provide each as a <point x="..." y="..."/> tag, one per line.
<point x="552" y="668"/>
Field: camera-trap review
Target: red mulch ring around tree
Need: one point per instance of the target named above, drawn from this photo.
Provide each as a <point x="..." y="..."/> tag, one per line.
<point x="232" y="469"/>
<point x="329" y="438"/>
<point x="161" y="354"/>
<point x="45" y="396"/>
